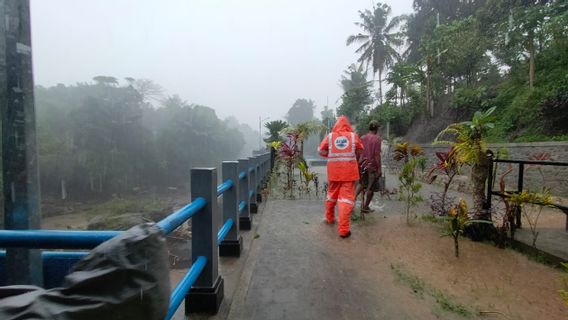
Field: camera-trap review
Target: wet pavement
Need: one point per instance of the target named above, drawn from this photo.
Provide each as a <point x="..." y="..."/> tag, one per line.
<point x="294" y="266"/>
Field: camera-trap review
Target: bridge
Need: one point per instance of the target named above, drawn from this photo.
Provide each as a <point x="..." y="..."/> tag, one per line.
<point x="252" y="257"/>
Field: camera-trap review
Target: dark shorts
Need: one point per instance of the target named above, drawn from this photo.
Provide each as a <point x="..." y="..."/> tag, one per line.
<point x="370" y="181"/>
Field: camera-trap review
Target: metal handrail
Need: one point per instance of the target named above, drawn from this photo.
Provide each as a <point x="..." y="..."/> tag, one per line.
<point x="520" y="183"/>
<point x="228" y="184"/>
<point x="54" y="239"/>
<point x="536" y="162"/>
<point x="181" y="290"/>
<point x="224" y="230"/>
<point x="176" y="219"/>
<point x="57" y="254"/>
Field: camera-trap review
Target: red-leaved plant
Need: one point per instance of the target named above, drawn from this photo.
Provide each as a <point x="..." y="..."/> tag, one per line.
<point x="448" y="166"/>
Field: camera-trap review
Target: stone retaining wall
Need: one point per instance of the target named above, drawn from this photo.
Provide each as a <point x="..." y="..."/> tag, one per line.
<point x="553" y="177"/>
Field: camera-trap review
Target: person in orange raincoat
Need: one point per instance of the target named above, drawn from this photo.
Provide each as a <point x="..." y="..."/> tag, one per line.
<point x="341" y="147"/>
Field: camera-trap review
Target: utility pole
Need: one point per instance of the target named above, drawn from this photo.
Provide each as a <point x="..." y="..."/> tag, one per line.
<point x="260" y="131"/>
<point x="19" y="155"/>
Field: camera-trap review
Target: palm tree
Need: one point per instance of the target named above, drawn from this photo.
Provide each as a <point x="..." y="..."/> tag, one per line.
<point x="357" y="94"/>
<point x="305" y="130"/>
<point x="378" y="40"/>
<point x="274" y="128"/>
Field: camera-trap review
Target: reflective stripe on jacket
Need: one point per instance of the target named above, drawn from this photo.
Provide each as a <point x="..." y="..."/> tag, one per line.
<point x="340" y="147"/>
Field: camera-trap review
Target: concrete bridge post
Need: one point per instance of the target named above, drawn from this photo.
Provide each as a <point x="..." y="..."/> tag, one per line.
<point x="208" y="290"/>
<point x="232" y="245"/>
<point x="253" y="206"/>
<point x="259" y="176"/>
<point x="245" y="219"/>
<point x="20" y="175"/>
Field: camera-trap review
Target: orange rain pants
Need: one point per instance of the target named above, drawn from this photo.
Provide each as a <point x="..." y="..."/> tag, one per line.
<point x="342" y="193"/>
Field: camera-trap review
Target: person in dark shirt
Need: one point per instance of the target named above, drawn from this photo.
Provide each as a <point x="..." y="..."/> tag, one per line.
<point x="370" y="166"/>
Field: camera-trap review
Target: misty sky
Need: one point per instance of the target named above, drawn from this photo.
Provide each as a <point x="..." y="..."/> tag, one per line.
<point x="246" y="58"/>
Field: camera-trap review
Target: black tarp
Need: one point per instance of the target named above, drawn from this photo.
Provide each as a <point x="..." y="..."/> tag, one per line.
<point x="126" y="277"/>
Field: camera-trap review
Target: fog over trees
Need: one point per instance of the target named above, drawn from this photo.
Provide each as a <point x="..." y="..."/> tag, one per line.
<point x="110" y="136"/>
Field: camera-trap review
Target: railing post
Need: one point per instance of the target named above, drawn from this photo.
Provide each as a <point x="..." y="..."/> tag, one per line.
<point x="20" y="177"/>
<point x="518" y="222"/>
<point x="253" y="206"/>
<point x="264" y="175"/>
<point x="207" y="292"/>
<point x="245" y="219"/>
<point x="232" y="245"/>
<point x="258" y="166"/>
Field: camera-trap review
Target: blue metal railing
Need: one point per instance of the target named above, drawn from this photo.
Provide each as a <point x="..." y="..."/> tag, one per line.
<point x="176" y="219"/>
<point x="56" y="254"/>
<point x="59" y="239"/>
<point x="54" y="239"/>
<point x="228" y="184"/>
<point x="182" y="288"/>
<point x="224" y="230"/>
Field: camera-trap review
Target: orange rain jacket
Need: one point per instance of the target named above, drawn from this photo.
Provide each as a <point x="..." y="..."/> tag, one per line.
<point x="341" y="147"/>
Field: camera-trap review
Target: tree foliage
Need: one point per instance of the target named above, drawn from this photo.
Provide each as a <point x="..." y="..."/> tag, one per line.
<point x="471" y="55"/>
<point x="102" y="138"/>
<point x="301" y="111"/>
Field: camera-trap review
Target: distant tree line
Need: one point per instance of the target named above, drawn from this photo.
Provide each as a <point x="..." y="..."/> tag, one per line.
<point x="102" y="138"/>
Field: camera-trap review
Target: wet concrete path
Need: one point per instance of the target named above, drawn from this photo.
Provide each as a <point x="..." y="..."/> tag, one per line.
<point x="301" y="269"/>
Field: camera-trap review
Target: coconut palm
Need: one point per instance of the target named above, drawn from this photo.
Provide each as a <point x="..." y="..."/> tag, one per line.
<point x="378" y="40"/>
<point x="274" y="128"/>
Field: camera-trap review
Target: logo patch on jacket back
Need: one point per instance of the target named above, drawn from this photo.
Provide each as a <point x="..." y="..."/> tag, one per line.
<point x="341" y="142"/>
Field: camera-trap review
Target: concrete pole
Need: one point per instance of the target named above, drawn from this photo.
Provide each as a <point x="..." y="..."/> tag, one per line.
<point x="245" y="219"/>
<point x="19" y="155"/>
<point x="207" y="292"/>
<point x="232" y="245"/>
<point x="253" y="207"/>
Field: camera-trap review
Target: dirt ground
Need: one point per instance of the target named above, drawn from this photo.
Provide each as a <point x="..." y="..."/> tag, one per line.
<point x="501" y="282"/>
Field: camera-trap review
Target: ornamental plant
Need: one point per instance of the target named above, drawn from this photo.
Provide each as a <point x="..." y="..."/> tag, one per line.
<point x="288" y="152"/>
<point x="458" y="219"/>
<point x="412" y="158"/>
<point x="447" y="166"/>
<point x="308" y="175"/>
<point x="531" y="204"/>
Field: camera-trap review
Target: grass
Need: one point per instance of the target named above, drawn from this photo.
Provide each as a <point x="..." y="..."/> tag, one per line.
<point x="121" y="214"/>
<point x="431" y="218"/>
<point x="127" y="205"/>
<point x="416" y="284"/>
<point x="448" y="304"/>
<point x="443" y="301"/>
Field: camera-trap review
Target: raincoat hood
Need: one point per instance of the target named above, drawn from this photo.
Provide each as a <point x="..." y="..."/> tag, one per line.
<point x="342" y="125"/>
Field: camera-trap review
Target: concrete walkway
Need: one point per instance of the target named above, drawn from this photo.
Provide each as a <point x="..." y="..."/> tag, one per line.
<point x="302" y="270"/>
